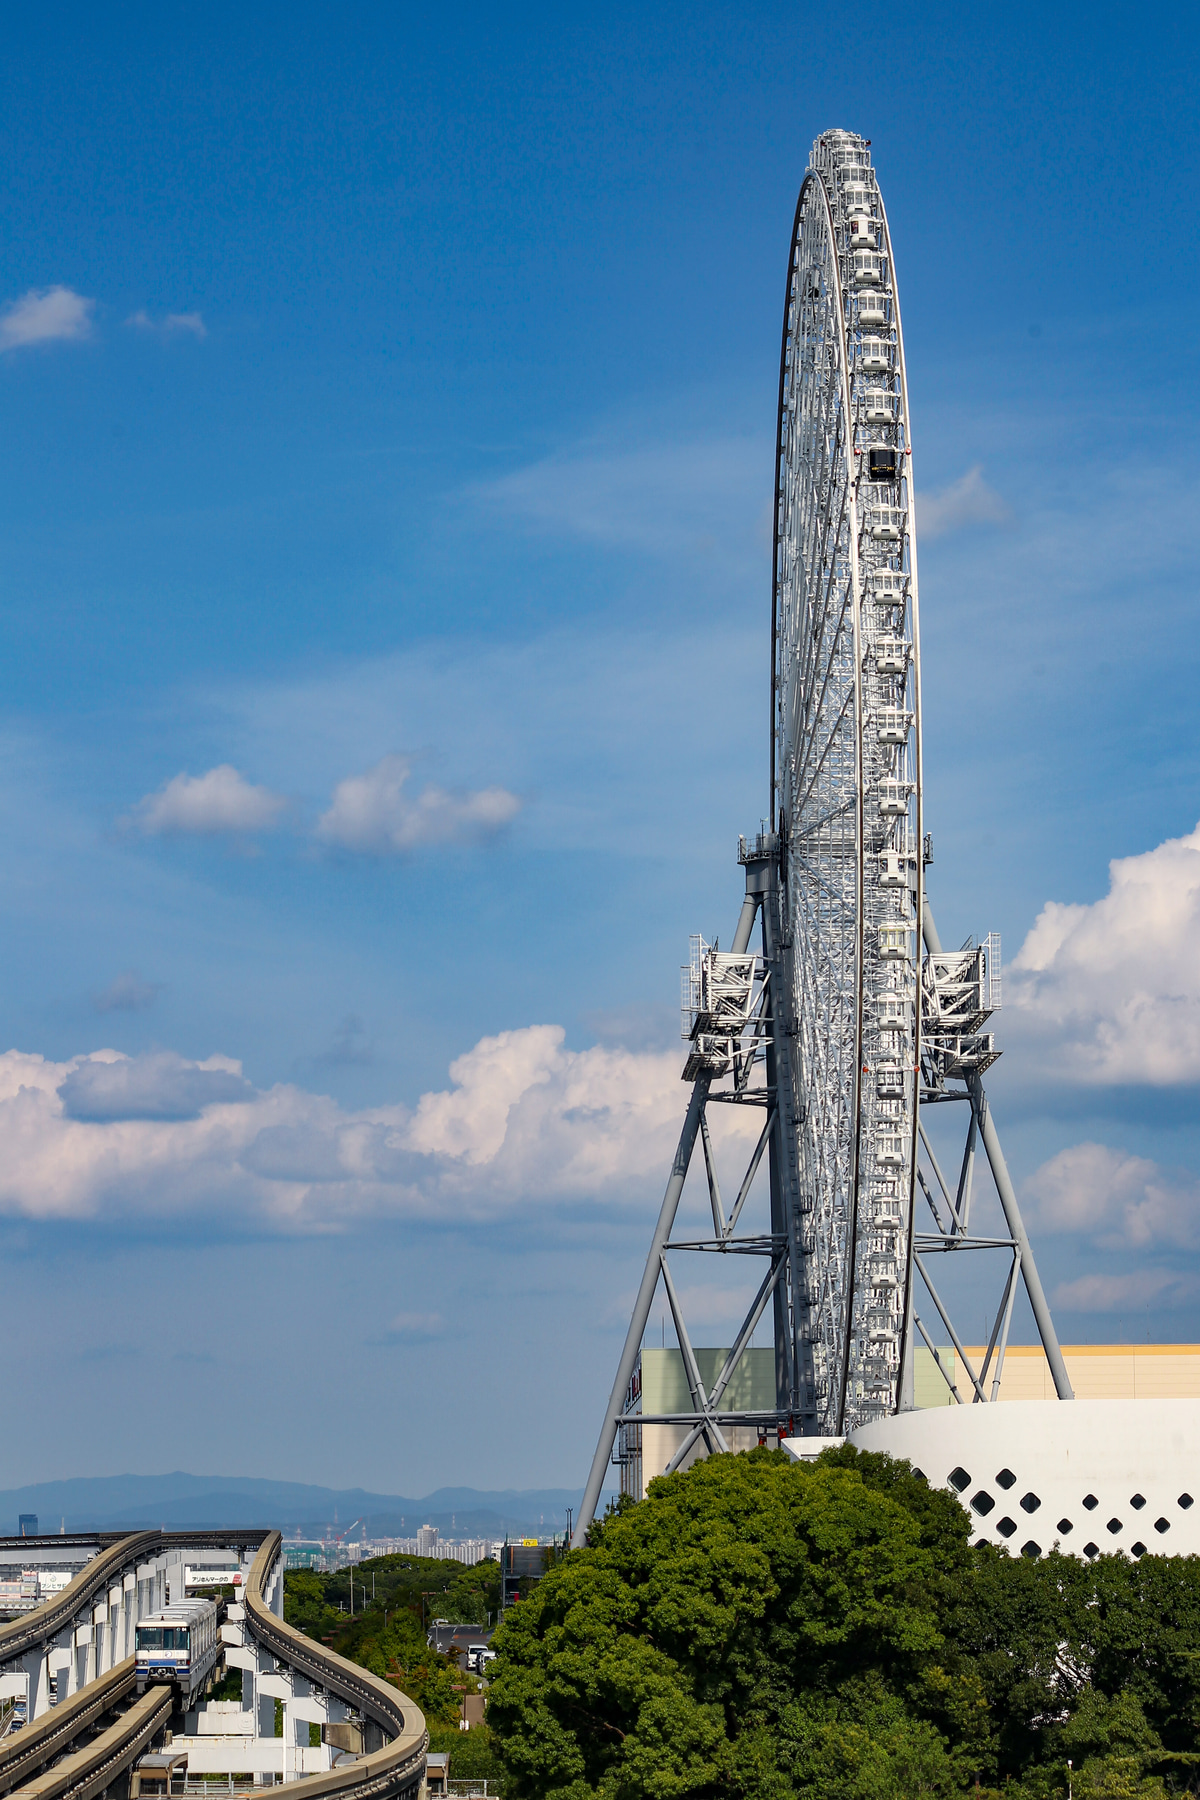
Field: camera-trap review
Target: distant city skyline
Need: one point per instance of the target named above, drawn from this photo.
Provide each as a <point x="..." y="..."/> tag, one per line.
<point x="388" y="411"/>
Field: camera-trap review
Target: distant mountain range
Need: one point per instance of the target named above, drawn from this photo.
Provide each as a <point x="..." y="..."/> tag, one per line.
<point x="181" y="1502"/>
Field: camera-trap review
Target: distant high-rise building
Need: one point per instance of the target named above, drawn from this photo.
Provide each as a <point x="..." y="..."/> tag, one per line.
<point x="27" y="1524"/>
<point x="427" y="1538"/>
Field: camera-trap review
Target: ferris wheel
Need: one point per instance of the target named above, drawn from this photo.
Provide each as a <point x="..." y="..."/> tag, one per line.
<point x="853" y="1021"/>
<point x="846" y="776"/>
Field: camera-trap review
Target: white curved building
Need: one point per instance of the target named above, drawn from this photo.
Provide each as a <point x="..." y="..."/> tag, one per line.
<point x="1084" y="1475"/>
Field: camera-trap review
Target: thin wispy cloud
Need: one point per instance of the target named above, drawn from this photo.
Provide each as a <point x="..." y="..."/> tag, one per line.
<point x="222" y="800"/>
<point x="1164" y="1289"/>
<point x="376" y="815"/>
<point x="702" y="496"/>
<point x="127" y="992"/>
<point x="189" y="324"/>
<point x="43" y="315"/>
<point x="967" y="501"/>
<point x="413" y="1327"/>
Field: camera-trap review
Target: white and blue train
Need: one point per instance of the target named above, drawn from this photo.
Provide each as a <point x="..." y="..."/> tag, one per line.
<point x="181" y="1644"/>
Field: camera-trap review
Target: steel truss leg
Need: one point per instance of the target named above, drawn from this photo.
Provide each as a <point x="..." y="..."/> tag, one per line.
<point x="654" y="1262"/>
<point x="982" y="1117"/>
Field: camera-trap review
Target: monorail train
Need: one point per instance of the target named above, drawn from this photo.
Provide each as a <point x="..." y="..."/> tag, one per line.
<point x="180" y="1644"/>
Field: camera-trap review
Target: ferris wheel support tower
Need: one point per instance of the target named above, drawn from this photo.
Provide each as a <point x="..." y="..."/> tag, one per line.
<point x="851" y="1022"/>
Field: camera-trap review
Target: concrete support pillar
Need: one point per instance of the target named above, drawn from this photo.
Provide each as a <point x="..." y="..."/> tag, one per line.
<point x="114" y="1637"/>
<point x="34" y="1666"/>
<point x="59" y="1659"/>
<point x="76" y="1670"/>
<point x="129" y="1612"/>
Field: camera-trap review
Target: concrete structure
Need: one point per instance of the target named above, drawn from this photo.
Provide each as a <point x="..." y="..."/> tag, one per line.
<point x="88" y="1628"/>
<point x="372" y="1739"/>
<point x="1091" y="1476"/>
<point x="241" y="1736"/>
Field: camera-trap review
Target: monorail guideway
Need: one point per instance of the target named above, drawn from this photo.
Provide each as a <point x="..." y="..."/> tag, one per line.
<point x="851" y="1021"/>
<point x="90" y="1738"/>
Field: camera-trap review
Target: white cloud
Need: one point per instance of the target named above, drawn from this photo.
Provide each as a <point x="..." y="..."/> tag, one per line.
<point x="1163" y="1288"/>
<point x="191" y="324"/>
<point x="127" y="992"/>
<point x="221" y="800"/>
<point x="1110" y="992"/>
<point x="527" y="1123"/>
<point x="373" y="813"/>
<point x="44" y="314"/>
<point x="160" y="1085"/>
<point x="967" y="501"/>
<point x="1118" y="1201"/>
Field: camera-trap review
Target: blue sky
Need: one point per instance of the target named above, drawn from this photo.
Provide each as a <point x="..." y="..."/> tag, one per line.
<point x="385" y="467"/>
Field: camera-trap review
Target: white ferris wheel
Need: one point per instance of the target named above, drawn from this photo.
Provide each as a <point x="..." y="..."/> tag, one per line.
<point x="846" y="778"/>
<point x="851" y="1022"/>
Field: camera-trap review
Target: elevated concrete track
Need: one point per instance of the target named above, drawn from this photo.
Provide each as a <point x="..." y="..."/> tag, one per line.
<point x="83" y="1744"/>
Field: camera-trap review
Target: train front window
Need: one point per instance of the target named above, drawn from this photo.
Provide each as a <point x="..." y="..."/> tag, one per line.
<point x="162" y="1637"/>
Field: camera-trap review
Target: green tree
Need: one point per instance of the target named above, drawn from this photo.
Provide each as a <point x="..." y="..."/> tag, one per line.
<point x="750" y="1622"/>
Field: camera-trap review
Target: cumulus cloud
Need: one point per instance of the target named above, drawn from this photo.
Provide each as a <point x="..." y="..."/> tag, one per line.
<point x="1110" y="991"/>
<point x="127" y="992"/>
<point x="44" y="314"/>
<point x="160" y="1085"/>
<point x="221" y="800"/>
<point x="1118" y="1201"/>
<point x="372" y="813"/>
<point x="1116" y="1293"/>
<point x="525" y="1123"/>
<point x="191" y="324"/>
<point x="967" y="501"/>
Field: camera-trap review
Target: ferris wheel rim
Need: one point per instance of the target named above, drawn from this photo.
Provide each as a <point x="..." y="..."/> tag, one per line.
<point x="846" y="1059"/>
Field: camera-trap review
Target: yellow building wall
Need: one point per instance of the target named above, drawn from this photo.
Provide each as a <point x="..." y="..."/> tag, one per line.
<point x="1097" y="1372"/>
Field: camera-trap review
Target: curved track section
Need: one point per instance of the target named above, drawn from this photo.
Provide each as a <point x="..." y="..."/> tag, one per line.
<point x="25" y="1636"/>
<point x="399" y="1766"/>
<point x="846" y="778"/>
<point x="88" y="1771"/>
<point x="31" y="1751"/>
<point x="60" y="1755"/>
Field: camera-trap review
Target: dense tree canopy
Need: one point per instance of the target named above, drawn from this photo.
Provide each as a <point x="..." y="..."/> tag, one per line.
<point x="761" y="1628"/>
<point x="394" y="1596"/>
